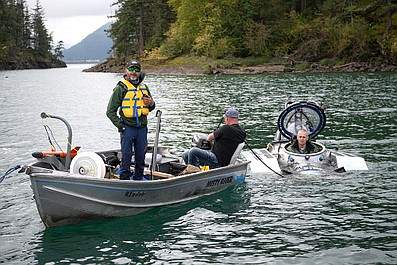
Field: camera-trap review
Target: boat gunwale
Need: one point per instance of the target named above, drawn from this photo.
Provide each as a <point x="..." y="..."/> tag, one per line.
<point x="129" y="185"/>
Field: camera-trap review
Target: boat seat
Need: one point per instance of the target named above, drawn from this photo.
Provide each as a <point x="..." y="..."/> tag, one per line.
<point x="236" y="153"/>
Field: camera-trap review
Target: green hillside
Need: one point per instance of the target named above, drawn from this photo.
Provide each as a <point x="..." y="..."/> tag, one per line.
<point x="323" y="32"/>
<point x="329" y="32"/>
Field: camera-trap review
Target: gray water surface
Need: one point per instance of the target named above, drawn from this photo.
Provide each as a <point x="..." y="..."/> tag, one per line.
<point x="335" y="219"/>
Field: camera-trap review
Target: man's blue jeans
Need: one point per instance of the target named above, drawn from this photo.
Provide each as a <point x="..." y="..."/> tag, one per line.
<point x="196" y="156"/>
<point x="137" y="138"/>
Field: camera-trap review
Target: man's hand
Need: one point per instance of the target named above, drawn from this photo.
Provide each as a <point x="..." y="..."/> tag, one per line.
<point x="147" y="100"/>
<point x="210" y="137"/>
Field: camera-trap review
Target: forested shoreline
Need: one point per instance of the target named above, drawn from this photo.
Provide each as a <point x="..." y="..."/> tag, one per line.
<point x="303" y="34"/>
<point x="25" y="42"/>
<point x="323" y="32"/>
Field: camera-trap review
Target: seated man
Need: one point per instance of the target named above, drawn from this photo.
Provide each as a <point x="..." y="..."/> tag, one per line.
<point x="302" y="144"/>
<point x="226" y="139"/>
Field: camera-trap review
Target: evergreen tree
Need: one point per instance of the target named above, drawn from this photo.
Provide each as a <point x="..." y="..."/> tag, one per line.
<point x="24" y="39"/>
<point x="8" y="27"/>
<point x="27" y="31"/>
<point x="41" y="38"/>
<point x="58" y="50"/>
<point x="19" y="24"/>
<point x="140" y="26"/>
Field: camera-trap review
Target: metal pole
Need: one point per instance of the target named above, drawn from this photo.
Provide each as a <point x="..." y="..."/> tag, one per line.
<point x="153" y="163"/>
<point x="44" y="115"/>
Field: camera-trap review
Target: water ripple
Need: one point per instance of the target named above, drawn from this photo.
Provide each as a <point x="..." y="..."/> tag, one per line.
<point x="336" y="219"/>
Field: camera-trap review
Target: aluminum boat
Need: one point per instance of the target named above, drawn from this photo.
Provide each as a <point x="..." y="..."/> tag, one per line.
<point x="71" y="187"/>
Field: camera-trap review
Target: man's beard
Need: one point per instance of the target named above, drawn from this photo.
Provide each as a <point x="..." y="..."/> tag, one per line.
<point x="134" y="78"/>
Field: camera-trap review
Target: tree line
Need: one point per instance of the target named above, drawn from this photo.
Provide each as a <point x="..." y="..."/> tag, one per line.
<point x="24" y="40"/>
<point x="308" y="30"/>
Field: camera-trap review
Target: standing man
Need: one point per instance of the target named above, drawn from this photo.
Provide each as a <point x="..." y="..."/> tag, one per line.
<point x="133" y="100"/>
<point x="226" y="139"/>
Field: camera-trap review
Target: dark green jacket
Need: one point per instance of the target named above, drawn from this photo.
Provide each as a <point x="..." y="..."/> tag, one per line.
<point x="114" y="104"/>
<point x="310" y="148"/>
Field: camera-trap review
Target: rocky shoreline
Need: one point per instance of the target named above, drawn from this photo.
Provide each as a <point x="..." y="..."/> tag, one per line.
<point x="252" y="70"/>
<point x="23" y="65"/>
<point x="314" y="68"/>
<point x="163" y="69"/>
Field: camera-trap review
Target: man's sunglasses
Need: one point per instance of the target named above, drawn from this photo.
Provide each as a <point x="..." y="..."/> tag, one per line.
<point x="136" y="69"/>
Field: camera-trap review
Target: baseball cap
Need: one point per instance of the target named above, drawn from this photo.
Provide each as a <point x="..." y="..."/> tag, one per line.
<point x="231" y="113"/>
<point x="133" y="63"/>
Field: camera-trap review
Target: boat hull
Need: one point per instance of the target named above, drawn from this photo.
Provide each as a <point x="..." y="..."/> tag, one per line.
<point x="63" y="198"/>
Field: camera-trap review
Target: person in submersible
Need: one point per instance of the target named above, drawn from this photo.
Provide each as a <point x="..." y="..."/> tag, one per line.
<point x="302" y="144"/>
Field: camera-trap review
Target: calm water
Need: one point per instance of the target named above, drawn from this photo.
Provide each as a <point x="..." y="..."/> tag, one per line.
<point x="337" y="219"/>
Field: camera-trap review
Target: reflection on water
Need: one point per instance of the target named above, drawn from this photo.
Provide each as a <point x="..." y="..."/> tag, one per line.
<point x="338" y="219"/>
<point x="150" y="234"/>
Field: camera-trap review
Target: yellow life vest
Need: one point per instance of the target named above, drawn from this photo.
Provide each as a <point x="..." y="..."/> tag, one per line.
<point x="133" y="105"/>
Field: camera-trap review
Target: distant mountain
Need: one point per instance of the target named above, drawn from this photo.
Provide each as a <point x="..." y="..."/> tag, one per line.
<point x="93" y="48"/>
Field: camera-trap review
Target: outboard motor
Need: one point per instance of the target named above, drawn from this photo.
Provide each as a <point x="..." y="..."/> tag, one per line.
<point x="200" y="140"/>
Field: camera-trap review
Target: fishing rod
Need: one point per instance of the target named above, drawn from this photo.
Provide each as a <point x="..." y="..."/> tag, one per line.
<point x="220" y="122"/>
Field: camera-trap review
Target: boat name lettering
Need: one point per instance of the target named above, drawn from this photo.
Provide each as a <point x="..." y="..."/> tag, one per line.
<point x="221" y="181"/>
<point x="134" y="193"/>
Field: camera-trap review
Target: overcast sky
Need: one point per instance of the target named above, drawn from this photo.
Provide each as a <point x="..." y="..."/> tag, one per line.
<point x="72" y="20"/>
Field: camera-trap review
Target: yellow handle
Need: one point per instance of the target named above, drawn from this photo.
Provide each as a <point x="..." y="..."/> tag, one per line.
<point x="205" y="168"/>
